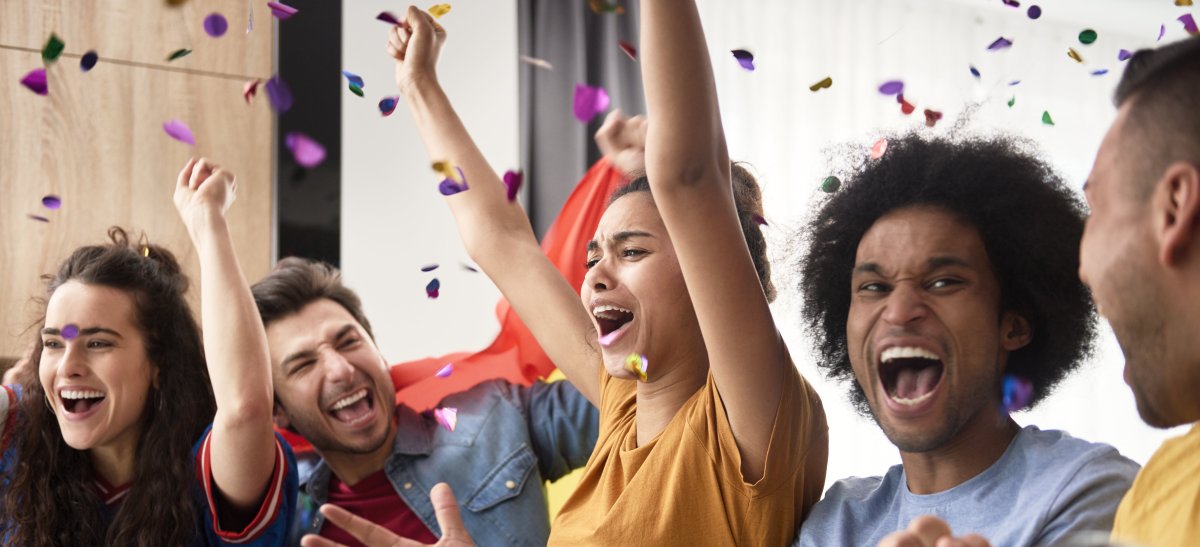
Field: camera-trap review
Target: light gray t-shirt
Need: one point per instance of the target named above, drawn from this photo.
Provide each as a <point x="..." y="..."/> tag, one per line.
<point x="1046" y="488"/>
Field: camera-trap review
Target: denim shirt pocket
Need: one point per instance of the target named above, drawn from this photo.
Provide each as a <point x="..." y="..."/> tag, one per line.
<point x="506" y="481"/>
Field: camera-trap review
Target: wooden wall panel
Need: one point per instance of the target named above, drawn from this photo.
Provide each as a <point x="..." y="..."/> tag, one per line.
<point x="146" y="31"/>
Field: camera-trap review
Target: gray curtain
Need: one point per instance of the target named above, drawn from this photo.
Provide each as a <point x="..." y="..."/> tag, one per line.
<point x="556" y="148"/>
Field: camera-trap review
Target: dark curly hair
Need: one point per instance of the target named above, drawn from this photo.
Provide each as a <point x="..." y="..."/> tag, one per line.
<point x="1030" y="223"/>
<point x="747" y="197"/>
<point x="51" y="497"/>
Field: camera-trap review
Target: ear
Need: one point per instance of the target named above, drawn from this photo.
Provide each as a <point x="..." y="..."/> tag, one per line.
<point x="280" y="417"/>
<point x="1176" y="209"/>
<point x="1015" y="331"/>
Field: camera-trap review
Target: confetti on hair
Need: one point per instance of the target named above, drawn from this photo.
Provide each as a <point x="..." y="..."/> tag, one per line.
<point x="1034" y="12"/>
<point x="878" y="149"/>
<point x="70" y="331"/>
<point x="1087" y="36"/>
<point x="628" y="49"/>
<point x="179" y="131"/>
<point x="447" y="417"/>
<point x="744" y="58"/>
<point x="1162" y="29"/>
<point x="932" y="117"/>
<point x="999" y="44"/>
<point x="758" y="219"/>
<point x="445" y="371"/>
<point x="974" y="71"/>
<point x="512" y="183"/>
<point x="39" y="218"/>
<point x="832" y="183"/>
<point x="823" y="84"/>
<point x="1046" y="119"/>
<point x="893" y="87"/>
<point x="601" y="7"/>
<point x="51" y="201"/>
<point x="534" y="61"/>
<point x="1074" y="55"/>
<point x="438" y="10"/>
<point x="432" y="289"/>
<point x="429" y="267"/>
<point x="53" y="48"/>
<point x="589" y="101"/>
<point x="387" y="105"/>
<point x="388" y="17"/>
<point x="215" y="25"/>
<point x="88" y="61"/>
<point x="1124" y="55"/>
<point x="638" y="365"/>
<point x="1018" y="392"/>
<point x="306" y="151"/>
<point x="450" y="186"/>
<point x="283" y="12"/>
<point x="1100" y="72"/>
<point x="1189" y="24"/>
<point x="35" y="80"/>
<point x="279" y="94"/>
<point x="178" y="54"/>
<point x="250" y="89"/>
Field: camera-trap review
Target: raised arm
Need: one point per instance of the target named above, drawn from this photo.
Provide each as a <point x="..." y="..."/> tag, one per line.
<point x="496" y="233"/>
<point x="242" y="447"/>
<point x="688" y="167"/>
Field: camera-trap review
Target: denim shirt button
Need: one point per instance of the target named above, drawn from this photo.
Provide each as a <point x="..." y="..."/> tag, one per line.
<point x="510" y="485"/>
<point x="408" y="486"/>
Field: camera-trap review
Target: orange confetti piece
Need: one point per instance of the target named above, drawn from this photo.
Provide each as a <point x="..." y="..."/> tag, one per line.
<point x="878" y="149"/>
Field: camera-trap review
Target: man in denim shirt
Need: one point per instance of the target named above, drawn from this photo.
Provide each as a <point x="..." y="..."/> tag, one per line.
<point x="380" y="460"/>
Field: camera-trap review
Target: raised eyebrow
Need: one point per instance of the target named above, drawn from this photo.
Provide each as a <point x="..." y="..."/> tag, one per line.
<point x="84" y="332"/>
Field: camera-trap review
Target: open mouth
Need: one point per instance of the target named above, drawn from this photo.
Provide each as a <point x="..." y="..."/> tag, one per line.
<point x="80" y="401"/>
<point x="611" y="321"/>
<point x="353" y="408"/>
<point x="910" y="375"/>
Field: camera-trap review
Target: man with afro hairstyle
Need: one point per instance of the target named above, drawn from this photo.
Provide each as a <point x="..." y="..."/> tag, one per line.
<point x="935" y="275"/>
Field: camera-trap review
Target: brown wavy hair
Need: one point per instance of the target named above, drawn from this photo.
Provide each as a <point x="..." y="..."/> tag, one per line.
<point x="51" y="498"/>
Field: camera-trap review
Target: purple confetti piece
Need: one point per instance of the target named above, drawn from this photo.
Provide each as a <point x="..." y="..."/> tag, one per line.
<point x="512" y="181"/>
<point x="1162" y="29"/>
<point x="179" y="131"/>
<point x="449" y="187"/>
<point x="388" y="17"/>
<point x="433" y="288"/>
<point x="279" y="94"/>
<point x="429" y="267"/>
<point x="70" y="331"/>
<point x="1000" y="43"/>
<point x="39" y="218"/>
<point x="353" y="78"/>
<point x="470" y="269"/>
<point x="307" y="152"/>
<point x="447" y="417"/>
<point x="88" y="61"/>
<point x="283" y="12"/>
<point x="1100" y="72"/>
<point x="1124" y="55"/>
<point x="894" y="87"/>
<point x="1034" y="12"/>
<point x="35" y="80"/>
<point x="215" y="25"/>
<point x="1011" y="3"/>
<point x="1014" y="82"/>
<point x="52" y="201"/>
<point x="589" y="101"/>
<point x="1017" y="393"/>
<point x="1189" y="24"/>
<point x="387" y="105"/>
<point x="744" y="58"/>
<point x="975" y="72"/>
<point x="445" y="371"/>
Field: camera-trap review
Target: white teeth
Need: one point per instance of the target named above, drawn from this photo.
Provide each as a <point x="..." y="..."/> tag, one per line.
<point x="349" y="400"/>
<point x="907" y="353"/>
<point x="604" y="308"/>
<point x="912" y="402"/>
<point x="80" y="394"/>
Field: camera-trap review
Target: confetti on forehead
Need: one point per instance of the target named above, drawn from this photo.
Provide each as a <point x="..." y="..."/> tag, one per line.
<point x="628" y="49"/>
<point x="283" y="12"/>
<point x="429" y="267"/>
<point x="823" y="84"/>
<point x="1189" y="24"/>
<point x="53" y="48"/>
<point x="878" y="149"/>
<point x="534" y="61"/>
<point x="250" y="89"/>
<point x="1034" y="12"/>
<point x="447" y="417"/>
<point x="179" y="131"/>
<point x="1018" y="392"/>
<point x="215" y="25"/>
<point x="387" y="105"/>
<point x="88" y="61"/>
<point x="512" y="183"/>
<point x="388" y="17"/>
<point x="893" y="87"/>
<point x="279" y="94"/>
<point x="52" y="201"/>
<point x="70" y="331"/>
<point x="638" y="365"/>
<point x="438" y="10"/>
<point x="589" y="101"/>
<point x="178" y="54"/>
<point x="432" y="289"/>
<point x="999" y="44"/>
<point x="1087" y="36"/>
<point x="445" y="371"/>
<point x="307" y="152"/>
<point x="744" y="58"/>
<point x="35" y="80"/>
<point x="830" y="184"/>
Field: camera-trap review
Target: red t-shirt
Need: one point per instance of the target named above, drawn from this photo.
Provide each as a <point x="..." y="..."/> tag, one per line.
<point x="374" y="499"/>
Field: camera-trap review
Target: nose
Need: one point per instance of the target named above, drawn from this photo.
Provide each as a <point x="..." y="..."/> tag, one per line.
<point x="337" y="369"/>
<point x="599" y="277"/>
<point x="904" y="305"/>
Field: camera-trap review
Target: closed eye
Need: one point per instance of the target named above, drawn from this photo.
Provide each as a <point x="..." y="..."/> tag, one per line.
<point x="591" y="263"/>
<point x="349" y="343"/>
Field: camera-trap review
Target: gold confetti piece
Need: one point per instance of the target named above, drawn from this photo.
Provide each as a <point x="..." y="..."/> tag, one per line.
<point x="1183" y="2"/>
<point x="823" y="84"/>
<point x="438" y="10"/>
<point x="446" y="170"/>
<point x="637" y="364"/>
<point x="1074" y="55"/>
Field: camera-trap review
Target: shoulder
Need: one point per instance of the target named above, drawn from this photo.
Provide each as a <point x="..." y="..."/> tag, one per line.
<point x="1047" y="449"/>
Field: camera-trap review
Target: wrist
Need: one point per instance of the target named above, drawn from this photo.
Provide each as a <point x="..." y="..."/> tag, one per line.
<point x="203" y="222"/>
<point x="418" y="84"/>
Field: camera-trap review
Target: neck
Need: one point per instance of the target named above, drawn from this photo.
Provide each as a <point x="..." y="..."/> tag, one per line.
<point x="115" y="462"/>
<point x="659" y="400"/>
<point x="351" y="468"/>
<point x="976" y="447"/>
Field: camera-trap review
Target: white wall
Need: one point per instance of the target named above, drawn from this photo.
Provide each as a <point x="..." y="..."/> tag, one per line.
<point x="393" y="218"/>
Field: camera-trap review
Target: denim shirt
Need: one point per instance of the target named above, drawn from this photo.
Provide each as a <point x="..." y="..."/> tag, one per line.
<point x="508" y="439"/>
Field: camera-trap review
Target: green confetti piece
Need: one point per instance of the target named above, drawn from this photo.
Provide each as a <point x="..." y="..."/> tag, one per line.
<point x="830" y="184"/>
<point x="1087" y="36"/>
<point x="1012" y="101"/>
<point x="1046" y="119"/>
<point x="356" y="90"/>
<point x="178" y="53"/>
<point x="54" y="48"/>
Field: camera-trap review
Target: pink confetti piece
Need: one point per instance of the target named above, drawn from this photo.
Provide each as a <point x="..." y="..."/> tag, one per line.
<point x="1189" y="24"/>
<point x="628" y="49"/>
<point x="52" y="201"/>
<point x="432" y="290"/>
<point x="449" y="186"/>
<point x="1017" y="393"/>
<point x="387" y="105"/>
<point x="179" y="131"/>
<point x="445" y="371"/>
<point x="279" y="94"/>
<point x="447" y="417"/>
<point x="216" y="25"/>
<point x="307" y="152"/>
<point x="744" y="58"/>
<point x="878" y="149"/>
<point x="589" y="101"/>
<point x="512" y="182"/>
<point x="1124" y="55"/>
<point x="893" y="87"/>
<point x="1000" y="43"/>
<point x="283" y="12"/>
<point x="35" y="80"/>
<point x="39" y="218"/>
<point x="429" y="267"/>
<point x="539" y="63"/>
<point x="758" y="219"/>
<point x="932" y="117"/>
<point x="70" y="331"/>
<point x="250" y="89"/>
<point x="388" y="17"/>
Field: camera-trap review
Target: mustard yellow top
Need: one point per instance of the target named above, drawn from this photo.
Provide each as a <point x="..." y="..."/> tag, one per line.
<point x="1162" y="509"/>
